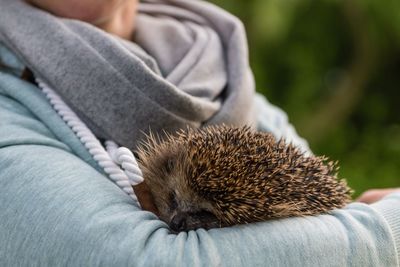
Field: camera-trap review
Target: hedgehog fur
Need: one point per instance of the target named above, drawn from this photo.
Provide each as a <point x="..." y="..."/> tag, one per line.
<point x="221" y="176"/>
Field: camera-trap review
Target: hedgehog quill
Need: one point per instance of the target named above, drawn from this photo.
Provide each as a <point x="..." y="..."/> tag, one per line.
<point x="221" y="176"/>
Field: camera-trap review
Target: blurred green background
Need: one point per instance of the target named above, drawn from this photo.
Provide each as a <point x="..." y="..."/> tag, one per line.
<point x="334" y="67"/>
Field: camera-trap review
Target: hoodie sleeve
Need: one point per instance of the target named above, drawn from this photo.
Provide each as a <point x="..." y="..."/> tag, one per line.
<point x="57" y="209"/>
<point x="272" y="119"/>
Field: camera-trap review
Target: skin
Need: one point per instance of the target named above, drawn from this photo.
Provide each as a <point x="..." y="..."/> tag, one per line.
<point x="114" y="16"/>
<point x="373" y="195"/>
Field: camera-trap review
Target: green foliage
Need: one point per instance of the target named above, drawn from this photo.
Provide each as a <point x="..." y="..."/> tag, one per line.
<point x="334" y="66"/>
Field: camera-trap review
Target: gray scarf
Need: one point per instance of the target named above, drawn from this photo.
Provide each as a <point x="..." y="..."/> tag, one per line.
<point x="188" y="65"/>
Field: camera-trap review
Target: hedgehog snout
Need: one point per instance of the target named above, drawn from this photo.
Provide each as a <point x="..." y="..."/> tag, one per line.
<point x="186" y="221"/>
<point x="178" y="222"/>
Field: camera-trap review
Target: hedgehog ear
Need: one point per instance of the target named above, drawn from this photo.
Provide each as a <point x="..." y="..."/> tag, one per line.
<point x="146" y="198"/>
<point x="169" y="165"/>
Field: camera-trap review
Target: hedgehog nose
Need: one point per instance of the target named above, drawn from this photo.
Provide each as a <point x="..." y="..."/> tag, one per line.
<point x="178" y="222"/>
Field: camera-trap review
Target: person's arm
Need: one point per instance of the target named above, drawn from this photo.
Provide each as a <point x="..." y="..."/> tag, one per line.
<point x="274" y="120"/>
<point x="373" y="195"/>
<point x="58" y="210"/>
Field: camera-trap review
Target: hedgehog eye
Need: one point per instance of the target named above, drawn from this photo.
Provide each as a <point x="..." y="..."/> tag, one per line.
<point x="169" y="165"/>
<point x="172" y="200"/>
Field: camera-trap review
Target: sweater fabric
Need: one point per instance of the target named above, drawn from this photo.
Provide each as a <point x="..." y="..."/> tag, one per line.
<point x="58" y="209"/>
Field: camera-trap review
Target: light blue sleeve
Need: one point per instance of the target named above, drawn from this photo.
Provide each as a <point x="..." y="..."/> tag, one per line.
<point x="56" y="209"/>
<point x="272" y="119"/>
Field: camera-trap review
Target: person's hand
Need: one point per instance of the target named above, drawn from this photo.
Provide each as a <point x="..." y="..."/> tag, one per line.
<point x="373" y="195"/>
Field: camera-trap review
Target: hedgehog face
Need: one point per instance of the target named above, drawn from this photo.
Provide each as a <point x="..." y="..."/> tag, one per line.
<point x="179" y="205"/>
<point x="186" y="210"/>
<point x="165" y="172"/>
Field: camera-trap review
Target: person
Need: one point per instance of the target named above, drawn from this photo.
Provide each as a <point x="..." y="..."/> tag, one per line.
<point x="123" y="67"/>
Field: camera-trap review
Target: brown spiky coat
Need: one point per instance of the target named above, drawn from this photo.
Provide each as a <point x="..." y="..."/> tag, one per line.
<point x="239" y="175"/>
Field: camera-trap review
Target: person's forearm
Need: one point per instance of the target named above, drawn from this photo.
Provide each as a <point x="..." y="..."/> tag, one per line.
<point x="389" y="207"/>
<point x="274" y="120"/>
<point x="81" y="217"/>
<point x="374" y="195"/>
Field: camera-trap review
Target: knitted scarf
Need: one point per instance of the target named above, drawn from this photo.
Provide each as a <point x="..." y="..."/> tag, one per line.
<point x="187" y="65"/>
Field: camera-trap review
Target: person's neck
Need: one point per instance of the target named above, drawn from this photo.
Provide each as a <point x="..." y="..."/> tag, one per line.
<point x="122" y="22"/>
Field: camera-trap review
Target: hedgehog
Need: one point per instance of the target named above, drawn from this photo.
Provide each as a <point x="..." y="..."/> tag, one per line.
<point x="220" y="176"/>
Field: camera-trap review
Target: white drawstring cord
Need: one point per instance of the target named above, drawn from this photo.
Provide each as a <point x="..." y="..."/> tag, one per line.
<point x="118" y="162"/>
<point x="125" y="158"/>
